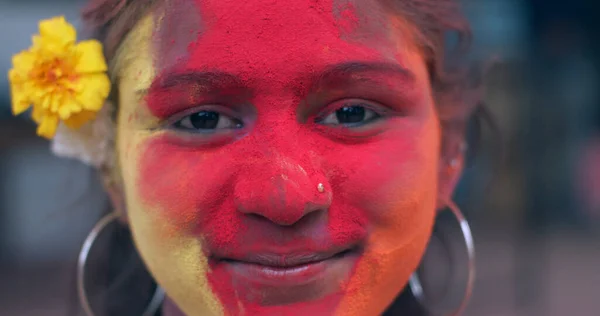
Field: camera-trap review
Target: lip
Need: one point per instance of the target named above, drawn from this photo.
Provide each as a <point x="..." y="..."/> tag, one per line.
<point x="292" y="269"/>
<point x="287" y="260"/>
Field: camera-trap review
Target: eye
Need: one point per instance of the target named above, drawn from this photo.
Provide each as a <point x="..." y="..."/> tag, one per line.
<point x="351" y="114"/>
<point x="207" y="122"/>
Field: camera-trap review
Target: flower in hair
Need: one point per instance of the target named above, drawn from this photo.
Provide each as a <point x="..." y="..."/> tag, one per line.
<point x="62" y="80"/>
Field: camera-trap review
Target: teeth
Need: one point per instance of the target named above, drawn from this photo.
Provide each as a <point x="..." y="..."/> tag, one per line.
<point x="279" y="272"/>
<point x="288" y="265"/>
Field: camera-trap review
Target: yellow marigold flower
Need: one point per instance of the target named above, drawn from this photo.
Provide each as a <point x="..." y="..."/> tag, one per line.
<point x="63" y="80"/>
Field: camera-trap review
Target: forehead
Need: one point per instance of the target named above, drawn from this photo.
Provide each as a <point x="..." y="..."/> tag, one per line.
<point x="259" y="37"/>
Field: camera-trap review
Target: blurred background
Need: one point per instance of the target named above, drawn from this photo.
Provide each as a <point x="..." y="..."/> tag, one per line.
<point x="535" y="214"/>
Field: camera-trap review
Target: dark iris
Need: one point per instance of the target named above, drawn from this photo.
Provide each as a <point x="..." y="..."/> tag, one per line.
<point x="205" y="120"/>
<point x="350" y="114"/>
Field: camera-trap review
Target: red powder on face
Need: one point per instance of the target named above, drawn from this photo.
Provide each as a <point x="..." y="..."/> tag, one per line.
<point x="260" y="190"/>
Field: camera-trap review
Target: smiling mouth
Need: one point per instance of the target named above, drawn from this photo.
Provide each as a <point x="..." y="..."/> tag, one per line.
<point x="314" y="270"/>
<point x="288" y="261"/>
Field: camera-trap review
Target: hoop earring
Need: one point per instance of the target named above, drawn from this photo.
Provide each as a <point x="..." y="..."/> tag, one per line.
<point x="158" y="296"/>
<point x="415" y="283"/>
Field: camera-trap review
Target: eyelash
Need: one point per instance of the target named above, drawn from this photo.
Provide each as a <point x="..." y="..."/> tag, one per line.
<point x="187" y="122"/>
<point x="369" y="110"/>
<point x="227" y="119"/>
<point x="353" y="106"/>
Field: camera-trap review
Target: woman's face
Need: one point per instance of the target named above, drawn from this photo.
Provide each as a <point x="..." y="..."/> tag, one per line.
<point x="277" y="157"/>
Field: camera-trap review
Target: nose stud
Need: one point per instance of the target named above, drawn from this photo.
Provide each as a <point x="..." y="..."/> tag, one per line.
<point x="321" y="187"/>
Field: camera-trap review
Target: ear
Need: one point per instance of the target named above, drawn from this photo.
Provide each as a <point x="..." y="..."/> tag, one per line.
<point x="117" y="198"/>
<point x="450" y="171"/>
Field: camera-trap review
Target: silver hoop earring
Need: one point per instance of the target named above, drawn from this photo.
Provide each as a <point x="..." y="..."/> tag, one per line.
<point x="415" y="283"/>
<point x="158" y="296"/>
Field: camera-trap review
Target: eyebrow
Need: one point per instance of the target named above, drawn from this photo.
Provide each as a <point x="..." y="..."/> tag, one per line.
<point x="207" y="79"/>
<point x="343" y="71"/>
<point x="331" y="75"/>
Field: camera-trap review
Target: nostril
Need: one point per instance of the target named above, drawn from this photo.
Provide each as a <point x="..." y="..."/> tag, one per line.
<point x="281" y="202"/>
<point x="290" y="221"/>
<point x="257" y="217"/>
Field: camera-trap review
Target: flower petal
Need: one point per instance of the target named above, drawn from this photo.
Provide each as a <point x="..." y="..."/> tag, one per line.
<point x="93" y="91"/>
<point x="20" y="99"/>
<point x="91" y="57"/>
<point x="40" y="43"/>
<point x="61" y="80"/>
<point x="37" y="114"/>
<point x="47" y="128"/>
<point x="78" y="119"/>
<point x="57" y="29"/>
<point x="23" y="63"/>
<point x="67" y="108"/>
<point x="64" y="112"/>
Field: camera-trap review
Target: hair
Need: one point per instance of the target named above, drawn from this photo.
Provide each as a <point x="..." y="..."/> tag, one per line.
<point x="456" y="91"/>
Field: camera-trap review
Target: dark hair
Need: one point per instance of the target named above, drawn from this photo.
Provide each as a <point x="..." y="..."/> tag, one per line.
<point x="457" y="95"/>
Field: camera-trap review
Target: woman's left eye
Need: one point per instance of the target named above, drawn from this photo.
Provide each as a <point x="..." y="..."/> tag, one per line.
<point x="207" y="122"/>
<point x="350" y="114"/>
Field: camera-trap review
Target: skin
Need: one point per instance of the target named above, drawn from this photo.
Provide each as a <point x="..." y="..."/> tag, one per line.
<point x="193" y="198"/>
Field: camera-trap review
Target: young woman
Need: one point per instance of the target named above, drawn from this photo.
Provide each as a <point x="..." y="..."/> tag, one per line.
<point x="275" y="157"/>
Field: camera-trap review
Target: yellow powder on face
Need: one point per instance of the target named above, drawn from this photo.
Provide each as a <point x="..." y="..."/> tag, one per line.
<point x="174" y="259"/>
<point x="177" y="263"/>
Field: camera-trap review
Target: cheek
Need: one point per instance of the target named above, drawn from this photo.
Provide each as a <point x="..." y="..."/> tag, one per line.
<point x="394" y="185"/>
<point x="190" y="189"/>
<point x="389" y="179"/>
<point x="176" y="260"/>
<point x="181" y="183"/>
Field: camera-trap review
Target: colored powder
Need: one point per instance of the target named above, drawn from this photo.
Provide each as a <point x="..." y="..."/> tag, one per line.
<point x="208" y="190"/>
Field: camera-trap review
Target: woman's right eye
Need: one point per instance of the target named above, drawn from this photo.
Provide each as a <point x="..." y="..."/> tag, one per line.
<point x="207" y="122"/>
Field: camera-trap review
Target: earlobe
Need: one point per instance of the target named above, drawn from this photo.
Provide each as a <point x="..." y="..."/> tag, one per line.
<point x="449" y="174"/>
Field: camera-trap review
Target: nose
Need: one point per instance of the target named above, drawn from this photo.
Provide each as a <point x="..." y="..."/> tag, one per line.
<point x="281" y="190"/>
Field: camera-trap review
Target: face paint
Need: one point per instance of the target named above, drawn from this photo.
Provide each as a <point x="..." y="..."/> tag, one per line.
<point x="176" y="261"/>
<point x="230" y="220"/>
